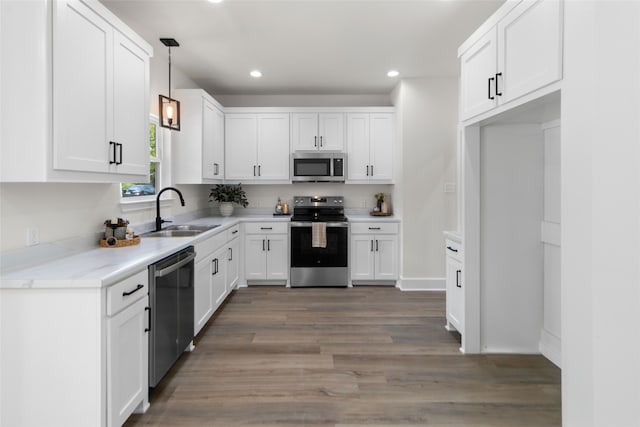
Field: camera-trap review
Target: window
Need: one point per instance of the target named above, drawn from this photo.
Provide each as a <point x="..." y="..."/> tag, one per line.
<point x="145" y="191"/>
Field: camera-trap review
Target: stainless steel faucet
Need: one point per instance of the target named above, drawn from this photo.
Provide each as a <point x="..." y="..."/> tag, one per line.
<point x="159" y="220"/>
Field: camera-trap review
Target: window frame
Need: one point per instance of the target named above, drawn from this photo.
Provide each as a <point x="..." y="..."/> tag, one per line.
<point x="163" y="177"/>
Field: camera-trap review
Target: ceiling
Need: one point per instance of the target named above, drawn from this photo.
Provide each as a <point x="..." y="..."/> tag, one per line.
<point x="307" y="46"/>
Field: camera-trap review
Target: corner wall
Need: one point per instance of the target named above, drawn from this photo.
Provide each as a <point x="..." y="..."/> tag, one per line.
<point x="427" y="119"/>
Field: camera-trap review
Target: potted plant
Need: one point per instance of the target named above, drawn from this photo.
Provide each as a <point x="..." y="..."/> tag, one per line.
<point x="227" y="195"/>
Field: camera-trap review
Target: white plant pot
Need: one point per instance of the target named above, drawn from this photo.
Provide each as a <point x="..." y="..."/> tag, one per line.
<point x="226" y="208"/>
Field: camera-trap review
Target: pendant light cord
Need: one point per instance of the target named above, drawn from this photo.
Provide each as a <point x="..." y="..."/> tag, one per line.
<point x="170" y="72"/>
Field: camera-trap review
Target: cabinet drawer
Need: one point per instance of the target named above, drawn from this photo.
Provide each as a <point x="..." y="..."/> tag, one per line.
<point x="207" y="247"/>
<point x="375" y="227"/>
<point x="266" y="227"/>
<point x="233" y="232"/>
<point x="127" y="291"/>
<point x="453" y="249"/>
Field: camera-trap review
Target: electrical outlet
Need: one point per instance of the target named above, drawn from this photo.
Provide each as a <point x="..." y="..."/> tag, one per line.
<point x="449" y="187"/>
<point x="33" y="236"/>
<point x="364" y="203"/>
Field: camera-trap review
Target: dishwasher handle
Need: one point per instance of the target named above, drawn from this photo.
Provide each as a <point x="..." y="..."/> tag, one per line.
<point x="174" y="267"/>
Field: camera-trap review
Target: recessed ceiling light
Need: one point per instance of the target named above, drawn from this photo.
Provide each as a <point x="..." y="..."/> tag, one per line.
<point x="393" y="73"/>
<point x="255" y="73"/>
<point x="215" y="1"/>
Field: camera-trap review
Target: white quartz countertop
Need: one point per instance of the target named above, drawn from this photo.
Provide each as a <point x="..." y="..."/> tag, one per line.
<point x="101" y="267"/>
<point x="370" y="218"/>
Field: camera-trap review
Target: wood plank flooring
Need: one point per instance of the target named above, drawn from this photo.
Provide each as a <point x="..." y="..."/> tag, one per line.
<point x="365" y="356"/>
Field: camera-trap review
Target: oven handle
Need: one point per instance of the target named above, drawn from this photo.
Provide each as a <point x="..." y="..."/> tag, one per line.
<point x="174" y="267"/>
<point x="329" y="224"/>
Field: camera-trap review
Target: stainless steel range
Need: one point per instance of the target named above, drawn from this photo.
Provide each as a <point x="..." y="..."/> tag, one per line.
<point x="319" y="242"/>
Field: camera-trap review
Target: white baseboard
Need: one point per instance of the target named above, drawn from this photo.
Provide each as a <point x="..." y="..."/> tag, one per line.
<point x="422" y="284"/>
<point x="551" y="347"/>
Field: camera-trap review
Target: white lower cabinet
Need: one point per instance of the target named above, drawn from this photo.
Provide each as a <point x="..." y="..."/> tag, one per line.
<point x="374" y="252"/>
<point x="127" y="361"/>
<point x="213" y="271"/>
<point x="266" y="251"/>
<point x="455" y="290"/>
<point x="233" y="264"/>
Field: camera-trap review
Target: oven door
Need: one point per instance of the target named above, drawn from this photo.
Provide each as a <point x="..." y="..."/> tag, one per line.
<point x="303" y="254"/>
<point x="319" y="266"/>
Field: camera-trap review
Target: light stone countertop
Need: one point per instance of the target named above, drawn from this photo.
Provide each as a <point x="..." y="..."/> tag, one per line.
<point x="98" y="267"/>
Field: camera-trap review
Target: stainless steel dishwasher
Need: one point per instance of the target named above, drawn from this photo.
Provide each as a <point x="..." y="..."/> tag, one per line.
<point x="171" y="316"/>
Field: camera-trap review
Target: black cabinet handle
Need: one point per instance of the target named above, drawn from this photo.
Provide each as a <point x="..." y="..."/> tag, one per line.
<point x="498" y="93"/>
<point x="213" y="261"/>
<point x="377" y="245"/>
<point x="489" y="88"/>
<point x="234" y="231"/>
<point x="114" y="145"/>
<point x="268" y="244"/>
<point x="458" y="285"/>
<point x="320" y="141"/>
<point x="230" y="254"/>
<point x="124" y="294"/>
<point x="120" y="147"/>
<point x="216" y="169"/>
<point x="452" y="249"/>
<point x="259" y="170"/>
<point x="266" y="228"/>
<point x="315" y="141"/>
<point x="149" y="310"/>
<point x="372" y="246"/>
<point x="374" y="228"/>
<point x="254" y="170"/>
<point x="263" y="240"/>
<point x="371" y="170"/>
<point x="367" y="170"/>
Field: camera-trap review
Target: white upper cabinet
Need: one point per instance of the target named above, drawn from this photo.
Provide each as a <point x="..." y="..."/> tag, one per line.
<point x="257" y="147"/>
<point x="318" y="132"/>
<point x="370" y="140"/>
<point x="199" y="146"/>
<point x="84" y="116"/>
<point x="478" y="66"/>
<point x="518" y="55"/>
<point x="530" y="57"/>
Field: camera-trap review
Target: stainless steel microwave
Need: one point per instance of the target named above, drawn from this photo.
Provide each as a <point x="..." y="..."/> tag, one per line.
<point x="318" y="167"/>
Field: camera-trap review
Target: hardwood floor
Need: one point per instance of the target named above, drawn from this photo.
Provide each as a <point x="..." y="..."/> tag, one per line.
<point x="371" y="356"/>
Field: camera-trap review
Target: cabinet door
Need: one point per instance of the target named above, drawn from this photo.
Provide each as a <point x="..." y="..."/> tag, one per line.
<point x="127" y="361"/>
<point x="455" y="293"/>
<point x="130" y="106"/>
<point x="203" y="294"/>
<point x="277" y="260"/>
<point x="218" y="144"/>
<point x="219" y="277"/>
<point x="209" y="135"/>
<point x="255" y="257"/>
<point x="304" y="132"/>
<point x="358" y="168"/>
<point x="331" y="132"/>
<point x="82" y="89"/>
<point x="241" y="135"/>
<point x="233" y="272"/>
<point x="273" y="147"/>
<point x="478" y="66"/>
<point x="530" y="47"/>
<point x="362" y="257"/>
<point x="381" y="139"/>
<point x="386" y="257"/>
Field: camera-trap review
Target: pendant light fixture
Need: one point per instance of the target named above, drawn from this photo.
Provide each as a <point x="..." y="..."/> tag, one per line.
<point x="169" y="108"/>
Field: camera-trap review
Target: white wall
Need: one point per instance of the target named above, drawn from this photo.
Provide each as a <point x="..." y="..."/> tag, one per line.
<point x="601" y="214"/>
<point x="427" y="117"/>
<point x="62" y="211"/>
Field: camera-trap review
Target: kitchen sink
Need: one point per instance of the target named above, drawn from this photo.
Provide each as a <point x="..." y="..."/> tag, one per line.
<point x="180" y="231"/>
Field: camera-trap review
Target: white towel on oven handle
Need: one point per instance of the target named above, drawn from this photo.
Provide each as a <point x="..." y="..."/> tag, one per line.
<point x="319" y="234"/>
